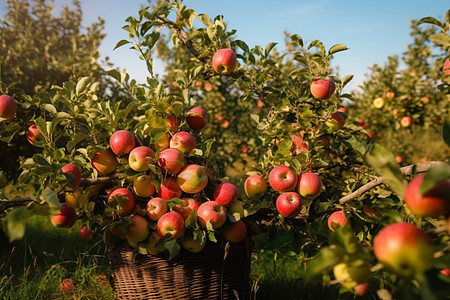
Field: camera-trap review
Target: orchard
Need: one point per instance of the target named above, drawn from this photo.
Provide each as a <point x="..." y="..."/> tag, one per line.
<point x="233" y="147"/>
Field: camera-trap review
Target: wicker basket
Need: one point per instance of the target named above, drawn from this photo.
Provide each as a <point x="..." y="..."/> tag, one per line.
<point x="209" y="274"/>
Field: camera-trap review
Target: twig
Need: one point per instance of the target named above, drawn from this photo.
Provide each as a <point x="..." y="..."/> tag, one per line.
<point x="418" y="168"/>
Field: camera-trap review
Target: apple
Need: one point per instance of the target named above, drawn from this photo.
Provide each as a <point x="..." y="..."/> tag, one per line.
<point x="105" y="162"/>
<point x="362" y="288"/>
<point x="8" y="107"/>
<point x="225" y="193"/>
<point x="66" y="217"/>
<point x="213" y="212"/>
<point x="169" y="189"/>
<point x="342" y="109"/>
<point x="140" y="157"/>
<point x="309" y="185"/>
<point x="403" y="249"/>
<point x="85" y="233"/>
<point x="289" y="204"/>
<point x="435" y="202"/>
<point x="186" y="206"/>
<point x="155" y="208"/>
<point x="153" y="239"/>
<point x="351" y="276"/>
<point x="447" y="67"/>
<point x="197" y="118"/>
<point x="255" y="186"/>
<point x="406" y="121"/>
<point x="73" y="198"/>
<point x="399" y="159"/>
<point x="66" y="285"/>
<point x="445" y="272"/>
<point x="336" y="122"/>
<point x="337" y="219"/>
<point x="138" y="230"/>
<point x="124" y="198"/>
<point x="162" y="143"/>
<point x="224" y="61"/>
<point x="395" y="112"/>
<point x="34" y="136"/>
<point x="75" y="171"/>
<point x="170" y="226"/>
<point x="299" y="144"/>
<point x="426" y="100"/>
<point x="122" y="142"/>
<point x="322" y="89"/>
<point x="192" y="179"/>
<point x="234" y="232"/>
<point x="236" y="207"/>
<point x="183" y="141"/>
<point x="390" y="95"/>
<point x="378" y="102"/>
<point x="143" y="186"/>
<point x="173" y="123"/>
<point x="171" y="160"/>
<point x="192" y="245"/>
<point x="282" y="179"/>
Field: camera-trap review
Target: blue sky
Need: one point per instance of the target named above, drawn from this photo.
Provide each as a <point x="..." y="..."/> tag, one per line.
<point x="372" y="30"/>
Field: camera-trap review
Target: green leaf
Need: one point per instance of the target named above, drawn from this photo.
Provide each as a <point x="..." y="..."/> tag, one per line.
<point x="430" y="20"/>
<point x="40" y="160"/>
<point x="242" y="45"/>
<point x="346" y="80"/>
<point x="78" y="137"/>
<point x="323" y="261"/>
<point x="81" y="85"/>
<point x="353" y="143"/>
<point x="173" y="247"/>
<point x="383" y="161"/>
<point x="205" y="19"/>
<point x="121" y="43"/>
<point x="42" y="126"/>
<point x="297" y="39"/>
<point x="337" y="48"/>
<point x="16" y="223"/>
<point x="446" y="132"/>
<point x="51" y="197"/>
<point x="434" y="176"/>
<point x="49" y="107"/>
<point x="269" y="48"/>
<point x="114" y="74"/>
<point x="440" y="39"/>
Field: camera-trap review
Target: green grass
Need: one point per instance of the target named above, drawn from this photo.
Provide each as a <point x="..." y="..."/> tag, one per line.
<point x="34" y="267"/>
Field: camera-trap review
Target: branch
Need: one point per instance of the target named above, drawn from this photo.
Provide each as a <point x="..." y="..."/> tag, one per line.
<point x="407" y="171"/>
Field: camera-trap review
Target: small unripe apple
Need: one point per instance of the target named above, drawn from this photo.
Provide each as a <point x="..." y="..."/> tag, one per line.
<point x="434" y="202"/>
<point x="224" y="61"/>
<point x="322" y="89"/>
<point x="378" y="102"/>
<point x="8" y="107"/>
<point x="350" y="276"/>
<point x="403" y="249"/>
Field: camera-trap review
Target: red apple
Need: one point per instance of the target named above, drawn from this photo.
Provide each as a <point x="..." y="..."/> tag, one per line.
<point x="66" y="217"/>
<point x="213" y="212"/>
<point x="445" y="272"/>
<point x="299" y="144"/>
<point x="34" y="136"/>
<point x="140" y="157"/>
<point x="183" y="141"/>
<point x="171" y="160"/>
<point x="171" y="225"/>
<point x="235" y="232"/>
<point x="336" y="220"/>
<point x="169" y="189"/>
<point x="224" y="61"/>
<point x="336" y="122"/>
<point x="156" y="207"/>
<point x="192" y="179"/>
<point x="282" y="179"/>
<point x="403" y="249"/>
<point x="124" y="199"/>
<point x="435" y="202"/>
<point x="122" y="142"/>
<point x="398" y="159"/>
<point x="187" y="206"/>
<point x="143" y="186"/>
<point x="85" y="233"/>
<point x="309" y="185"/>
<point x="225" y="193"/>
<point x="8" y="107"/>
<point x="447" y="67"/>
<point x="138" y="230"/>
<point x="173" y="123"/>
<point x="362" y="288"/>
<point x="255" y="186"/>
<point x="406" y="121"/>
<point x="74" y="170"/>
<point x="322" y="89"/>
<point x="105" y="162"/>
<point x="197" y="118"/>
<point x="289" y="204"/>
<point x="66" y="285"/>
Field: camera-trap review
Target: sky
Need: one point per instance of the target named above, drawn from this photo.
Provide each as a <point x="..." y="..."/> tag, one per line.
<point x="372" y="30"/>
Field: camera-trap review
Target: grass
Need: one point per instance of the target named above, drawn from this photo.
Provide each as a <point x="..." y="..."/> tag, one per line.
<point x="34" y="267"/>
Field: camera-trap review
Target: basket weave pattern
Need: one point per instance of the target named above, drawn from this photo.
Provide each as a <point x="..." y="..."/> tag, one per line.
<point x="211" y="274"/>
